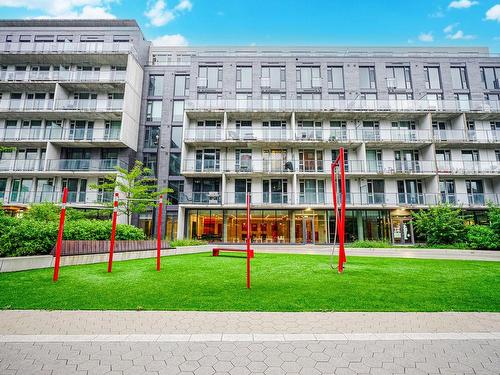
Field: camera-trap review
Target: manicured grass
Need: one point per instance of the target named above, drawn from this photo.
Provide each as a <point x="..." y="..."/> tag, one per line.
<point x="279" y="283"/>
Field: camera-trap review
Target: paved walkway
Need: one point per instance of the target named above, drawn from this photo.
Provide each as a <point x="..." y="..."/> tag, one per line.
<point x="396" y="252"/>
<point x="83" y="342"/>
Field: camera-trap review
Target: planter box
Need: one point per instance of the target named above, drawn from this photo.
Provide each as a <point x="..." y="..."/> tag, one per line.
<point x="102" y="247"/>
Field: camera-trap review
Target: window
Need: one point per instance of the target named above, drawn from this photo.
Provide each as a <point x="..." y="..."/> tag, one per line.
<point x="64" y="38"/>
<point x="475" y="192"/>
<point x="150" y="136"/>
<point x="311" y="160"/>
<point x="447" y="191"/>
<point x="91" y="38"/>
<point x="312" y="191"/>
<point x="155" y="85"/>
<point x="177" y="188"/>
<point x="275" y="191"/>
<point x="24" y="38"/>
<point x="497" y="155"/>
<point x="470" y="155"/>
<point x="181" y="85"/>
<point x="208" y="160"/>
<point x="174" y="165"/>
<point x="8" y="38"/>
<point x="178" y="111"/>
<point x="209" y="96"/>
<point x="149" y="160"/>
<point x="335" y="77"/>
<point x="153" y="110"/>
<point x="410" y="192"/>
<point x="44" y="38"/>
<point x="308" y="77"/>
<point x="241" y="188"/>
<point x="273" y="77"/>
<point x="309" y="96"/>
<point x="491" y="77"/>
<point x="176" y="139"/>
<point x="367" y="77"/>
<point x="375" y="191"/>
<point x="398" y="77"/>
<point x="210" y="77"/>
<point x="335" y="154"/>
<point x="121" y="38"/>
<point x="112" y="129"/>
<point x="374" y="160"/>
<point x="243" y="160"/>
<point x="244" y="77"/>
<point x="3" y="186"/>
<point x="459" y="78"/>
<point x="432" y="77"/>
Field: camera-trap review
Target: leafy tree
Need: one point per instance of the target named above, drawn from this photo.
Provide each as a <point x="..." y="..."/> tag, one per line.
<point x="482" y="237"/>
<point x="137" y="189"/>
<point x="494" y="218"/>
<point x="440" y="225"/>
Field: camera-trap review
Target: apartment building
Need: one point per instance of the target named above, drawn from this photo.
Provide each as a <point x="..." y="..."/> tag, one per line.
<point x="420" y="126"/>
<point x="70" y="101"/>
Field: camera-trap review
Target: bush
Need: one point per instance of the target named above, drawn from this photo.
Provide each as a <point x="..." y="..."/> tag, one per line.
<point x="440" y="225"/>
<point x="51" y="212"/>
<point x="482" y="237"/>
<point x="369" y="244"/>
<point x="31" y="237"/>
<point x="494" y="218"/>
<point x="186" y="242"/>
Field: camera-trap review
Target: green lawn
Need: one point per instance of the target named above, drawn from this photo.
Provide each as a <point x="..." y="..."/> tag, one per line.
<point x="280" y="283"/>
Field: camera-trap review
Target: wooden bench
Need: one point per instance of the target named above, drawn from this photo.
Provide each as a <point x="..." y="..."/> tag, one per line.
<point x="216" y="250"/>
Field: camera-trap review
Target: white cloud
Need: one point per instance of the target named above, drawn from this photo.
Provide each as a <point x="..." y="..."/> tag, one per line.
<point x="184" y="5"/>
<point x="459" y="35"/>
<point x="437" y="14"/>
<point x="426" y="37"/>
<point x="462" y="4"/>
<point x="170" y="40"/>
<point x="159" y="14"/>
<point x="64" y="8"/>
<point x="448" y="29"/>
<point x="493" y="14"/>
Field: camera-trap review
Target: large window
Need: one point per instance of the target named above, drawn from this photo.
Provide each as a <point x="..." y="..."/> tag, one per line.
<point x="174" y="165"/>
<point x="459" y="77"/>
<point x="274" y="77"/>
<point x="491" y="77"/>
<point x="335" y="77"/>
<point x="181" y="85"/>
<point x="177" y="188"/>
<point x="210" y="77"/>
<point x="312" y="191"/>
<point x="153" y="110"/>
<point x="275" y="191"/>
<point x="432" y="77"/>
<point x="178" y="111"/>
<point x="176" y="139"/>
<point x="367" y="77"/>
<point x="208" y="160"/>
<point x="308" y="77"/>
<point x="151" y="135"/>
<point x="311" y="160"/>
<point x="241" y="188"/>
<point x="155" y="85"/>
<point x="244" y="77"/>
<point x="398" y="77"/>
<point x="410" y="192"/>
<point x="475" y="191"/>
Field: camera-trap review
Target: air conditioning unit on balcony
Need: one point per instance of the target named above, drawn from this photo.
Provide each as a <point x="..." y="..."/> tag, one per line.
<point x="265" y="82"/>
<point x="202" y="82"/>
<point x="213" y="197"/>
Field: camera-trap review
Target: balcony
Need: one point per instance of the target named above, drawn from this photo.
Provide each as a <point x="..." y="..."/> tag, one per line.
<point x="461" y="136"/>
<point x="89" y="105"/>
<point x="68" y="48"/>
<point x="467" y="167"/>
<point x="395" y="167"/>
<point x="15" y="135"/>
<point x="334" y="105"/>
<point x="93" y="198"/>
<point x="197" y="166"/>
<point x="22" y="165"/>
<point x="85" y="165"/>
<point x="65" y="76"/>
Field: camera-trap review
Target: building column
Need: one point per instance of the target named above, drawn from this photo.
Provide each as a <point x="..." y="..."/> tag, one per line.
<point x="180" y="223"/>
<point x="292" y="227"/>
<point x="359" y="224"/>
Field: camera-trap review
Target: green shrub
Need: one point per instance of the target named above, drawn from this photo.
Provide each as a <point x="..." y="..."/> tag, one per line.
<point x="186" y="242"/>
<point x="482" y="237"/>
<point x="52" y="212"/>
<point x="370" y="244"/>
<point x="440" y="225"/>
<point x="494" y="218"/>
<point x="31" y="237"/>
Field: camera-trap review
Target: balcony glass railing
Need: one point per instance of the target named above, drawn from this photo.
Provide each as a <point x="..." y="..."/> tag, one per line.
<point x="468" y="167"/>
<point x="67" y="47"/>
<point x="50" y="195"/>
<point x="85" y="164"/>
<point x="357" y="105"/>
<point x="96" y="105"/>
<point x="48" y="134"/>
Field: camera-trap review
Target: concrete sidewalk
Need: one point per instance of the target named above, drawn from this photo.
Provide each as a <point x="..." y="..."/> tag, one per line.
<point x="197" y="343"/>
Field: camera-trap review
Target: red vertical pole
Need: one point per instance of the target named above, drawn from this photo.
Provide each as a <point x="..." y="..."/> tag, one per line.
<point x="342" y="257"/>
<point x="248" y="240"/>
<point x="158" y="233"/>
<point x="113" y="233"/>
<point x="60" y="234"/>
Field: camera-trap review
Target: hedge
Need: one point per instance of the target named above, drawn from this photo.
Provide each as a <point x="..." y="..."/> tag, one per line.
<point x="21" y="237"/>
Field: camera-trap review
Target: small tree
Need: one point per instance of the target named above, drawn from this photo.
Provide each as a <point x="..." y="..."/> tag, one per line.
<point x="494" y="218"/>
<point x="441" y="225"/>
<point x="136" y="186"/>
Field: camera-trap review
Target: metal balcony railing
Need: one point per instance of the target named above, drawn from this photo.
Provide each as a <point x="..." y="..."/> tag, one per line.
<point x="50" y="134"/>
<point x="68" y="47"/>
<point x="468" y="167"/>
<point x="330" y="105"/>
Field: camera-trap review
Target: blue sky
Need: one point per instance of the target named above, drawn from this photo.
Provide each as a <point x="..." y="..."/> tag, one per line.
<point x="293" y="22"/>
